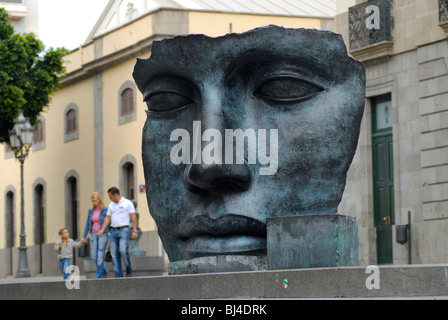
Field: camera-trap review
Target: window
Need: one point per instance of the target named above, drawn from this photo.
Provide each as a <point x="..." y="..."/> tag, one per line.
<point x="39" y="214"/>
<point x="71" y="123"/>
<point x="9" y="153"/>
<point x="128" y="169"/>
<point x="39" y="135"/>
<point x="9" y="219"/>
<point x="127" y="176"/>
<point x="126" y="103"/>
<point x="73" y="200"/>
<point x="39" y="219"/>
<point x="71" y="205"/>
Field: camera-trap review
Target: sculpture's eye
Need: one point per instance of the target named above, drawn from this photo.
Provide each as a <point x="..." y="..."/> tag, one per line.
<point x="286" y="89"/>
<point x="167" y="101"/>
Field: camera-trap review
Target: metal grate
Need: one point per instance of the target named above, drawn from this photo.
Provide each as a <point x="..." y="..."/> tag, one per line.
<point x="443" y="11"/>
<point x="361" y="35"/>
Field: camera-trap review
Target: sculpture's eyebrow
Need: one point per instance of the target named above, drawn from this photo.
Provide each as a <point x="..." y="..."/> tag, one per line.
<point x="257" y="64"/>
<point x="169" y="83"/>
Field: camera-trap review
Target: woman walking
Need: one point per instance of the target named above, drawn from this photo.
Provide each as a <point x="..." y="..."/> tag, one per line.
<point x="94" y="223"/>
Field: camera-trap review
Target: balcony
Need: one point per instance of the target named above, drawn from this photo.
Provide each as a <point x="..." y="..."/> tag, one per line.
<point x="16" y="8"/>
<point x="443" y="15"/>
<point x="370" y="28"/>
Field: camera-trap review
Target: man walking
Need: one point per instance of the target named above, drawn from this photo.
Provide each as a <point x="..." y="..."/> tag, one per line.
<point x="119" y="213"/>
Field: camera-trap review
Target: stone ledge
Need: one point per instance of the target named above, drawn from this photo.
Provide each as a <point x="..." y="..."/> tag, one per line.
<point x="396" y="281"/>
<point x="444" y="26"/>
<point x="381" y="50"/>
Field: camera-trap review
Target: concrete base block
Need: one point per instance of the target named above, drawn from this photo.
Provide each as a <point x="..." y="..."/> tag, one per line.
<point x="312" y="241"/>
<point x="218" y="264"/>
<point x="141" y="266"/>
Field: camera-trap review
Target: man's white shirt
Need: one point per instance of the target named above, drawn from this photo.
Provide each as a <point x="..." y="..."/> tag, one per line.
<point x="119" y="212"/>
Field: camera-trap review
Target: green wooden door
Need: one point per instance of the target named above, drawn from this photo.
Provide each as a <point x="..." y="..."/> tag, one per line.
<point x="383" y="177"/>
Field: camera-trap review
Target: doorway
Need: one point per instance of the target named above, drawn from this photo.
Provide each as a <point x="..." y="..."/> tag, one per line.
<point x="39" y="221"/>
<point x="72" y="221"/>
<point x="383" y="176"/>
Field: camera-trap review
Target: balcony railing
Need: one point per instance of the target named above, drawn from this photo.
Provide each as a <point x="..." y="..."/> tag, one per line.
<point x="443" y="14"/>
<point x="370" y="28"/>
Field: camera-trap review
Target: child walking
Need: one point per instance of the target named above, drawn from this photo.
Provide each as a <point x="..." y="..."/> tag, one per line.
<point x="64" y="248"/>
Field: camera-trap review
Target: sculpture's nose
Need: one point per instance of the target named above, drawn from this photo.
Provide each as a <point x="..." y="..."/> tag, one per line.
<point x="223" y="178"/>
<point x="207" y="175"/>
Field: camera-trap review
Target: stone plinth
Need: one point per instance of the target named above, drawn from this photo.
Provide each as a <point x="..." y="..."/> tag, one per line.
<point x="312" y="241"/>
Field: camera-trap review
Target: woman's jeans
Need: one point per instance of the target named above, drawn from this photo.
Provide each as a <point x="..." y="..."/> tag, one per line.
<point x="119" y="248"/>
<point x="97" y="252"/>
<point x="63" y="265"/>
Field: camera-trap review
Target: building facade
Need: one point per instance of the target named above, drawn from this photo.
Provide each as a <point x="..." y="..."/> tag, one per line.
<point x="90" y="137"/>
<point x="401" y="165"/>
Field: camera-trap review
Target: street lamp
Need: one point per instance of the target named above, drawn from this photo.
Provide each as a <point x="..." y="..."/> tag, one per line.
<point x="21" y="138"/>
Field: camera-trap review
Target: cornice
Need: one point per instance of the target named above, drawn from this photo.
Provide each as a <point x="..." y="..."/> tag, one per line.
<point x="98" y="65"/>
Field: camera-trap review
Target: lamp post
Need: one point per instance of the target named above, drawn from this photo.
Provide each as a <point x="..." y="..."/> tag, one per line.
<point x="21" y="138"/>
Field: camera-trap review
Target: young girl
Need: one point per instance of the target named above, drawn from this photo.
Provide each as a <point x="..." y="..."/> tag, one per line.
<point x="64" y="248"/>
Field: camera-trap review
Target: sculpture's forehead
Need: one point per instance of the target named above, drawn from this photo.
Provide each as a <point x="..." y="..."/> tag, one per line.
<point x="196" y="55"/>
<point x="274" y="40"/>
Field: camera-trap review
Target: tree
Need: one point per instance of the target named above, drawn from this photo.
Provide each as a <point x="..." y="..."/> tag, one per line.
<point x="28" y="75"/>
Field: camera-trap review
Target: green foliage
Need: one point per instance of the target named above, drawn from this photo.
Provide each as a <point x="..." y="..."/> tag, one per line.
<point x="28" y="75"/>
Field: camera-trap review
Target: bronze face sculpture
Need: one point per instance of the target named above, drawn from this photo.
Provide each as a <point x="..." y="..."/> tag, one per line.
<point x="244" y="127"/>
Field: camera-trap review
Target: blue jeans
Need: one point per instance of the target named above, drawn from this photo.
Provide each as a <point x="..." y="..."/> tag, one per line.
<point x="63" y="265"/>
<point x="119" y="248"/>
<point x="97" y="252"/>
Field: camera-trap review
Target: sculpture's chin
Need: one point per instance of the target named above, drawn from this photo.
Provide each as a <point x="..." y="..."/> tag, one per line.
<point x="220" y="263"/>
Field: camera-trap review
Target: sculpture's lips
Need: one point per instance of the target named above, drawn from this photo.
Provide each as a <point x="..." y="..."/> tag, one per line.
<point x="210" y="245"/>
<point x="228" y="234"/>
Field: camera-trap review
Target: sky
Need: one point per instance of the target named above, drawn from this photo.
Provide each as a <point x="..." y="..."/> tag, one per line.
<point x="67" y="23"/>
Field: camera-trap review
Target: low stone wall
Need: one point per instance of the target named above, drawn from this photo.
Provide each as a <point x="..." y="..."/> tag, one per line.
<point x="345" y="282"/>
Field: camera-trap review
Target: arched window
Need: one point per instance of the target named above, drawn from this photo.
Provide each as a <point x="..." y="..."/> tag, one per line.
<point x="73" y="207"/>
<point x="128" y="169"/>
<point x="71" y="122"/>
<point x="71" y="204"/>
<point x="39" y="214"/>
<point x="127" y="177"/>
<point x="9" y="212"/>
<point x="126" y="102"/>
<point x="39" y="135"/>
<point x="39" y="218"/>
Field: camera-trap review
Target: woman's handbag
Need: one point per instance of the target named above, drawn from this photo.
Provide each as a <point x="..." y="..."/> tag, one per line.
<point x="108" y="256"/>
<point x="84" y="250"/>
